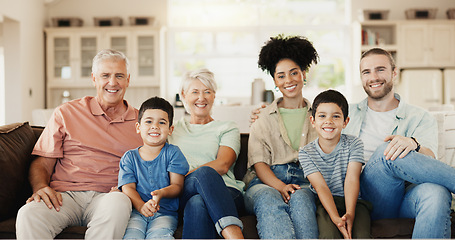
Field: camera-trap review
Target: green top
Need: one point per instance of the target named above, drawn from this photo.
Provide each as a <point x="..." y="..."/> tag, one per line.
<point x="200" y="143"/>
<point x="293" y="121"/>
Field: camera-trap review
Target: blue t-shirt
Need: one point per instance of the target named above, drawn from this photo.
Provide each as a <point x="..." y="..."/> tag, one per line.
<point x="153" y="175"/>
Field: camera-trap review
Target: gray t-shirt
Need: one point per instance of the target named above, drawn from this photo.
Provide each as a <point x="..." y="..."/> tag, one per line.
<point x="333" y="166"/>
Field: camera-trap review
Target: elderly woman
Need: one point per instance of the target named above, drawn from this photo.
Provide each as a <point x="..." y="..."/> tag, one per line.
<point x="278" y="193"/>
<point x="211" y="194"/>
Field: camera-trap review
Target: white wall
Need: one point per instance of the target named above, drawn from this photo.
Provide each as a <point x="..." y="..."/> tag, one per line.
<point x="23" y="22"/>
<point x="88" y="9"/>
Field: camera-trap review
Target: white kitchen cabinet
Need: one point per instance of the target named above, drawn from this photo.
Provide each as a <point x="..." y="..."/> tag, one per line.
<point x="427" y="44"/>
<point x="449" y="86"/>
<point x="421" y="87"/>
<point x="70" y="51"/>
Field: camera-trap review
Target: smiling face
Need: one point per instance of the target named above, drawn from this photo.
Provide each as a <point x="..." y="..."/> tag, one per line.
<point x="377" y="76"/>
<point x="154" y="127"/>
<point x="111" y="81"/>
<point x="329" y="121"/>
<point x="289" y="78"/>
<point x="199" y="99"/>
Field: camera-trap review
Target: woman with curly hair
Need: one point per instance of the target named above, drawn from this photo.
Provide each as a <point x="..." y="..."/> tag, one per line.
<point x="278" y="193"/>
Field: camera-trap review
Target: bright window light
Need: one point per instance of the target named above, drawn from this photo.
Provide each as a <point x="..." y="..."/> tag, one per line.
<point x="225" y="36"/>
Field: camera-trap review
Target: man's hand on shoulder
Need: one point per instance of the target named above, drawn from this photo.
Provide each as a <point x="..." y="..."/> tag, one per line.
<point x="50" y="197"/>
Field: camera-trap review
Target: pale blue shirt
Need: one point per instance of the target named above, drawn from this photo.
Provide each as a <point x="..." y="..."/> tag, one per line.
<point x="410" y="121"/>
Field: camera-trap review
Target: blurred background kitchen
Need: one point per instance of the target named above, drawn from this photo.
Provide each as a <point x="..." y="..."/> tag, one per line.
<point x="46" y="47"/>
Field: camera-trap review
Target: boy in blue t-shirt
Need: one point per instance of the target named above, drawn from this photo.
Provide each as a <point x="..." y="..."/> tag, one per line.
<point x="333" y="163"/>
<point x="152" y="175"/>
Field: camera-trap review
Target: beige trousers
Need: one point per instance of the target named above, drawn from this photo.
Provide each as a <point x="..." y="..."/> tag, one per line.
<point x="105" y="214"/>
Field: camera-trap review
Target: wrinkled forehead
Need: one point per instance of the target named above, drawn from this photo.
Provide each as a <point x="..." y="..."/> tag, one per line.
<point x="112" y="65"/>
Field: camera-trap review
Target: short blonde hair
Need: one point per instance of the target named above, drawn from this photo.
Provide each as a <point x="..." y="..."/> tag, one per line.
<point x="204" y="75"/>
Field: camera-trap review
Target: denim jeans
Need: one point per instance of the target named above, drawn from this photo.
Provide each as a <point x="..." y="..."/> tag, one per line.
<point x="280" y="220"/>
<point x="208" y="205"/>
<point x="384" y="183"/>
<point x="159" y="226"/>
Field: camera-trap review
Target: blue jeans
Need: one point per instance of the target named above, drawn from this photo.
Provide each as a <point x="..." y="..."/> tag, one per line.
<point x="280" y="220"/>
<point x="384" y="183"/>
<point x="158" y="226"/>
<point x="208" y="205"/>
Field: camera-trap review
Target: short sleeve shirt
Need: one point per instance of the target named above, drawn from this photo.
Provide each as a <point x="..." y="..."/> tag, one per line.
<point x="333" y="166"/>
<point x="410" y="121"/>
<point x="153" y="175"/>
<point x="87" y="144"/>
<point x="269" y="141"/>
<point x="200" y="144"/>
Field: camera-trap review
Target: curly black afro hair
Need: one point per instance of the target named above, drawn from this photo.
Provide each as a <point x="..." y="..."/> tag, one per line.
<point x="296" y="48"/>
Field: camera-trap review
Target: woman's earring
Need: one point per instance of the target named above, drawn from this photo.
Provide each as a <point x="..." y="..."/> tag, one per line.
<point x="304" y="82"/>
<point x="277" y="89"/>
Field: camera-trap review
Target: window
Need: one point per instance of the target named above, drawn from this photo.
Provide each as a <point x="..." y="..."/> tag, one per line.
<point x="225" y="36"/>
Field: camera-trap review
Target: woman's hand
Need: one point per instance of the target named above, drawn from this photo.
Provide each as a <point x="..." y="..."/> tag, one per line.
<point x="287" y="190"/>
<point x="255" y="113"/>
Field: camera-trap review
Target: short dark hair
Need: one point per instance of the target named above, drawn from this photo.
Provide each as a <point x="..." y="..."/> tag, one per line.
<point x="331" y="96"/>
<point x="296" y="48"/>
<point x="157" y="103"/>
<point x="380" y="51"/>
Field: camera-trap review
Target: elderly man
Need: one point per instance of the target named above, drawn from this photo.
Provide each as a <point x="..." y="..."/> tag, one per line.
<point x="79" y="153"/>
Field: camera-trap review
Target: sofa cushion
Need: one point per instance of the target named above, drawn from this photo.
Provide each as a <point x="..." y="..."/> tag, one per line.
<point x="16" y="144"/>
<point x="392" y="228"/>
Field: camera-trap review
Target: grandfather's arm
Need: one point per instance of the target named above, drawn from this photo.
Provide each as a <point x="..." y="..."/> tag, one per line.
<point x="40" y="173"/>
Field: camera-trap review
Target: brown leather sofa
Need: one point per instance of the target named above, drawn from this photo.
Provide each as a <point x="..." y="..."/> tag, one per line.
<point x="17" y="141"/>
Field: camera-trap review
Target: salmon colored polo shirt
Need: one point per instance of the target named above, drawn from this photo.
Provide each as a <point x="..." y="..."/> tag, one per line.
<point x="88" y="145"/>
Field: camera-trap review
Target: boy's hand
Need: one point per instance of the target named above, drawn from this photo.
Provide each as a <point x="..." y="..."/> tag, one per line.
<point x="342" y="227"/>
<point x="349" y="223"/>
<point x="149" y="208"/>
<point x="287" y="190"/>
<point x="114" y="189"/>
<point x="156" y="198"/>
